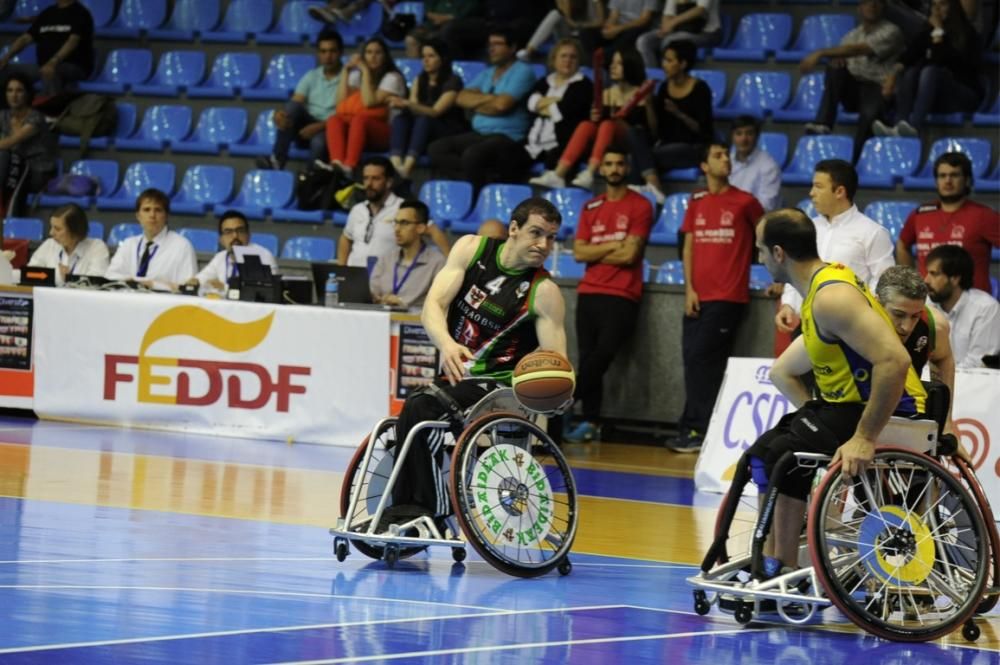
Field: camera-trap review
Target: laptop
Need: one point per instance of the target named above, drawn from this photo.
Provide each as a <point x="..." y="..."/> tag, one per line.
<point x="354" y="289"/>
<point x="32" y="276"/>
<point x="87" y="280"/>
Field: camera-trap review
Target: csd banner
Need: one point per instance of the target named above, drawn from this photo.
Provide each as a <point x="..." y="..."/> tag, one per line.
<point x="210" y="366"/>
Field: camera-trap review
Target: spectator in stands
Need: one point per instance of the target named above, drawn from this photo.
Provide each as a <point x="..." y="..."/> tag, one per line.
<point x="438" y="17"/>
<point x="64" y="36"/>
<point x="627" y="19"/>
<point x="610" y="238"/>
<point x="719" y="236"/>
<point x="680" y="117"/>
<point x="939" y="71"/>
<point x="953" y="219"/>
<point x="857" y="72"/>
<point x="754" y="170"/>
<point x="429" y="112"/>
<point x="843" y="235"/>
<point x="303" y="120"/>
<point x="559" y="102"/>
<point x="695" y="21"/>
<point x="27" y="147"/>
<point x="466" y="35"/>
<point x="68" y="250"/>
<point x="157" y="256"/>
<point x="234" y="231"/>
<point x="402" y="276"/>
<point x="607" y="124"/>
<point x="581" y="19"/>
<point x="362" y="117"/>
<point x="492" y="151"/>
<point x="343" y="10"/>
<point x="369" y="230"/>
<point x="974" y="314"/>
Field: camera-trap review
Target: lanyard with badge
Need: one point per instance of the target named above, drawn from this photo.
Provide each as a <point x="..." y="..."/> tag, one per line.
<point x="62" y="253"/>
<point x="397" y="283"/>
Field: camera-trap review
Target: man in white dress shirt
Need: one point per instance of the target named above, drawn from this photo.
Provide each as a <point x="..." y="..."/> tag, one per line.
<point x="158" y="257"/>
<point x="974" y="315"/>
<point x="68" y="250"/>
<point x="843" y="235"/>
<point x="753" y="170"/>
<point x="234" y="231"/>
<point x="369" y="232"/>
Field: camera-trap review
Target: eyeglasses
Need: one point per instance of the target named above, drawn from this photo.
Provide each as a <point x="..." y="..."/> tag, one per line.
<point x="232" y="232"/>
<point x="403" y="222"/>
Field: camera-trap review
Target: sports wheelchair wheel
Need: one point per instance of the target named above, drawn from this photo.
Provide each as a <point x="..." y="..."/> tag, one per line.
<point x="900" y="549"/>
<point x="968" y="478"/>
<point x="373" y="484"/>
<point x="513" y="495"/>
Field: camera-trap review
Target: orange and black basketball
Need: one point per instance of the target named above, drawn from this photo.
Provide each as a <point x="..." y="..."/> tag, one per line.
<point x="543" y="381"/>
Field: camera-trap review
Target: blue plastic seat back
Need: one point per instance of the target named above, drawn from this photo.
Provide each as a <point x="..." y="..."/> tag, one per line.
<point x="166" y="122"/>
<point x="102" y="11"/>
<point x="308" y="248"/>
<point x="105" y="171"/>
<point x="497" y="201"/>
<point x="250" y="16"/>
<point x="30" y="8"/>
<point x="207" y="183"/>
<point x="264" y="131"/>
<point x="127" y="116"/>
<point x="122" y="231"/>
<point x="268" y="241"/>
<point x="670" y="272"/>
<point x="145" y="175"/>
<point x="823" y="31"/>
<point x="194" y="15"/>
<point x="25" y="56"/>
<point x="760" y="92"/>
<point x="716" y="80"/>
<point x="776" y="145"/>
<point x="467" y="70"/>
<point x="977" y="150"/>
<point x="566" y="265"/>
<point x="286" y="69"/>
<point x="668" y="224"/>
<point x="27" y="228"/>
<point x="891" y="214"/>
<point x="889" y="156"/>
<point x="95" y="229"/>
<point x="447" y="199"/>
<point x="127" y="65"/>
<point x="362" y="24"/>
<point x="569" y="201"/>
<point x="180" y="68"/>
<point x="222" y="125"/>
<point x="760" y="278"/>
<point x="141" y="14"/>
<point x="203" y="240"/>
<point x="295" y="20"/>
<point x="767" y="31"/>
<point x="806" y="206"/>
<point x="235" y="70"/>
<point x="410" y="68"/>
<point x="812" y="149"/>
<point x="267" y="189"/>
<point x="808" y="93"/>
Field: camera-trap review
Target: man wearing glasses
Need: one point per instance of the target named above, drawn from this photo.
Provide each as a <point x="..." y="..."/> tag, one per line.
<point x="234" y="231"/>
<point x="403" y="275"/>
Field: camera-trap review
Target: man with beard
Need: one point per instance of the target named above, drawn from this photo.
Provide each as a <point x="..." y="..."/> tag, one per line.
<point x="234" y="231"/>
<point x="953" y="219"/>
<point x="370" y="231"/>
<point x="974" y="315"/>
<point x="610" y="239"/>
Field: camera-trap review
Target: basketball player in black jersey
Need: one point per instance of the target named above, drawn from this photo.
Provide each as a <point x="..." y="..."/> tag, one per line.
<point x="491" y="304"/>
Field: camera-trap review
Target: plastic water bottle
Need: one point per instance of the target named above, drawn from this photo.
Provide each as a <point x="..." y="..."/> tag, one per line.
<point x="332" y="296"/>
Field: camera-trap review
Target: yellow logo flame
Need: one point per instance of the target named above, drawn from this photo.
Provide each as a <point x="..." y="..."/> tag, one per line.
<point x="208" y="327"/>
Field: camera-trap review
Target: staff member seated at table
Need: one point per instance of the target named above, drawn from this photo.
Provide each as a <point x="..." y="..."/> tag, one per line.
<point x="402" y="276"/>
<point x="234" y="231"/>
<point x="68" y="250"/>
<point x="158" y="255"/>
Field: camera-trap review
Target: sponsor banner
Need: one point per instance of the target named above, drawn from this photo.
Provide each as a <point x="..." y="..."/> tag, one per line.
<point x="17" y="377"/>
<point x="210" y="366"/>
<point x="413" y="359"/>
<point x="977" y="422"/>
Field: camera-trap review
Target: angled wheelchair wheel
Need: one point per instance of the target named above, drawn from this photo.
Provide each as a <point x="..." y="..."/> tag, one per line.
<point x="514" y="495"/>
<point x="968" y="478"/>
<point x="900" y="549"/>
<point x="373" y="485"/>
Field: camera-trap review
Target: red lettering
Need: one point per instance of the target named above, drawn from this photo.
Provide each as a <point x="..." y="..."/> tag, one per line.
<point x="112" y="377"/>
<point x="285" y="388"/>
<point x="214" y="373"/>
<point x="234" y="386"/>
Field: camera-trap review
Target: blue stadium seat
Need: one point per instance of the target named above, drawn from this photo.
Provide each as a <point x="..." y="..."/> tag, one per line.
<point x="104" y="171"/>
<point x="261" y="193"/>
<point x="569" y="201"/>
<point x="135" y="17"/>
<point x="885" y="161"/>
<point x="308" y="248"/>
<point x="138" y="177"/>
<point x="203" y="240"/>
<point x="990" y="184"/>
<point x="812" y="149"/>
<point x="467" y="70"/>
<point x="978" y="151"/>
<point x="716" y="80"/>
<point x="124" y="68"/>
<point x="231" y="74"/>
<point x="566" y="266"/>
<point x="995" y="287"/>
<point x="668" y="224"/>
<point x="176" y="72"/>
<point x="447" y="200"/>
<point x="891" y="214"/>
<point x="217" y="128"/>
<point x="757" y="94"/>
<point x="189" y="19"/>
<point x="670" y="272"/>
<point x="495" y="201"/>
<point x="816" y="32"/>
<point x="757" y="36"/>
<point x="410" y="68"/>
<point x="124" y="127"/>
<point x="362" y="25"/>
<point x="760" y="278"/>
<point x="261" y="139"/>
<point x="282" y="75"/>
<point x="24" y="56"/>
<point x="102" y="11"/>
<point x="268" y="241"/>
<point x="243" y="20"/>
<point x="122" y="231"/>
<point x="802" y="108"/>
<point x="990" y="117"/>
<point x="294" y="25"/>
<point x="776" y="145"/>
<point x="162" y="125"/>
<point x="202" y="188"/>
<point x="24" y="10"/>
<point x="806" y="206"/>
<point x="25" y="228"/>
<point x="95" y="229"/>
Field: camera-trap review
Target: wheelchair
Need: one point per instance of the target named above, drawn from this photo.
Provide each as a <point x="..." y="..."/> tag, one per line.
<point x="512" y="493"/>
<point x="906" y="550"/>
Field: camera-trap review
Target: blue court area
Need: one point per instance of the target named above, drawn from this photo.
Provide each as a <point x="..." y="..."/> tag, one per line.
<point x="120" y="546"/>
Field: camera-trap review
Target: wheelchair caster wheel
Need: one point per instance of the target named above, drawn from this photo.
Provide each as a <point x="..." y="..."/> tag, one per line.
<point x="701" y="604"/>
<point x="340" y="549"/>
<point x="458" y="554"/>
<point x="970" y="631"/>
<point x="565" y="567"/>
<point x="391" y="555"/>
<point x="744" y="613"/>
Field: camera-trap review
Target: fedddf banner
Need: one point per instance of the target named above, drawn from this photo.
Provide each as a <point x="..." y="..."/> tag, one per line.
<point x="209" y="366"/>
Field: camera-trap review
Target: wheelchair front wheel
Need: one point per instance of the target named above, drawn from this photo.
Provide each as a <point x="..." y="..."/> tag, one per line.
<point x="513" y="494"/>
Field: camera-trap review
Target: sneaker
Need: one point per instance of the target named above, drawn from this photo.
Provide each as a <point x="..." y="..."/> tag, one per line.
<point x="269" y="163"/>
<point x="342" y="167"/>
<point x="879" y="128"/>
<point x="817" y="128"/>
<point x="686" y="442"/>
<point x="584" y="179"/>
<point x="583" y="432"/>
<point x="649" y="189"/>
<point x="320" y="165"/>
<point x="548" y="179"/>
<point x="323" y="14"/>
<point x="904" y="128"/>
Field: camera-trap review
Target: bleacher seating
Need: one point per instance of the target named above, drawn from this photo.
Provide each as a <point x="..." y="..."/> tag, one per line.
<point x="362" y="25"/>
<point x="162" y="125"/>
<point x="175" y="73"/>
<point x="563" y="264"/>
<point x="716" y="81"/>
<point x="231" y="73"/>
<point x="991" y="183"/>
<point x="812" y="149"/>
<point x="217" y="128"/>
<point x="242" y="21"/>
<point x="757" y="36"/>
<point x="757" y="94"/>
<point x="282" y="75"/>
<point x="268" y="241"/>
<point x="496" y="201"/>
<point x="123" y="128"/>
<point x="308" y="248"/>
<point x="978" y="151"/>
<point x="668" y="224"/>
<point x="802" y="107"/>
<point x="120" y="232"/>
<point x="189" y="19"/>
<point x="990" y="117"/>
<point x="885" y="161"/>
<point x="760" y="278"/>
<point x="261" y="193"/>
<point x="410" y="68"/>
<point x="203" y="187"/>
<point x="104" y="171"/>
<point x="134" y="18"/>
<point x="806" y="206"/>
<point x="203" y="240"/>
<point x="890" y="214"/>
<point x="26" y="228"/>
<point x="816" y="32"/>
<point x="569" y="201"/>
<point x="467" y="69"/>
<point x="138" y="177"/>
<point x="447" y="200"/>
<point x="670" y="272"/>
<point x="23" y="9"/>
<point x="774" y="144"/>
<point x="95" y="229"/>
<point x="261" y="138"/>
<point x="102" y="11"/>
<point x="124" y="67"/>
<point x="294" y="25"/>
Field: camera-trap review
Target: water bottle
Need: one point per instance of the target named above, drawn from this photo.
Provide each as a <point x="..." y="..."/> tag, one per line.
<point x="332" y="297"/>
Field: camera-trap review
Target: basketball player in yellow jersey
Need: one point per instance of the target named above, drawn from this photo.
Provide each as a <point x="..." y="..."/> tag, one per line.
<point x="862" y="372"/>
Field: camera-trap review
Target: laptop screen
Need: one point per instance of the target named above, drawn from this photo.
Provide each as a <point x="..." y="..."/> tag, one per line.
<point x="353" y="282"/>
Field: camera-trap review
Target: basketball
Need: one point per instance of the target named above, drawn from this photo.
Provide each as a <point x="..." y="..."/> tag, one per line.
<point x="543" y="381"/>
